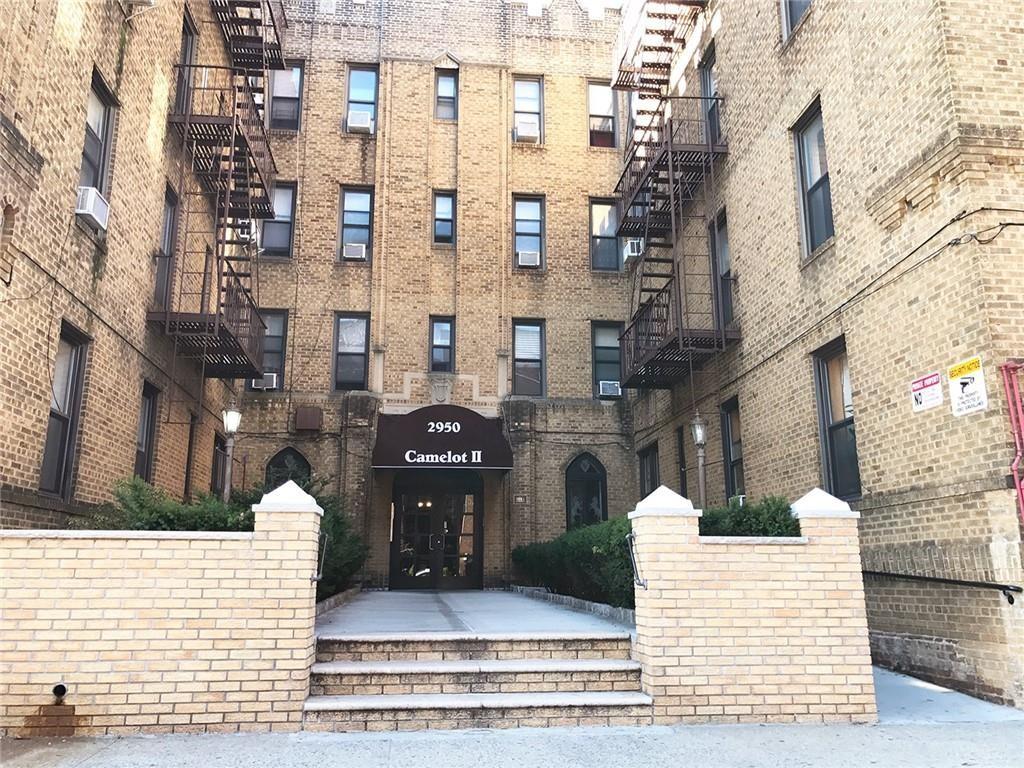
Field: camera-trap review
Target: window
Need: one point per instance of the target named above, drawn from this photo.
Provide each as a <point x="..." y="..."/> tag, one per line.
<point x="649" y="472"/>
<point x="99" y="121"/>
<point x="529" y="231"/>
<point x="362" y="95"/>
<point x="164" y="256"/>
<point x="601" y="105"/>
<point x="709" y="92"/>
<point x="442" y="344"/>
<point x="446" y="84"/>
<point x="528" y="105"/>
<point x="356" y="223"/>
<point x="723" y="262"/>
<point x="605" y="247"/>
<point x="187" y="60"/>
<point x="220" y="466"/>
<point x="444" y="217"/>
<point x="146" y="433"/>
<point x="190" y="454"/>
<point x="274" y="338"/>
<point x="815" y="195"/>
<point x="528" y="358"/>
<point x="732" y="448"/>
<point x="276" y="238"/>
<point x="681" y="438"/>
<point x="287" y="464"/>
<point x="835" y="408"/>
<point x="586" y="492"/>
<point x="65" y="407"/>
<point x="792" y="12"/>
<point x="286" y="98"/>
<point x="606" y="356"/>
<point x="351" y="350"/>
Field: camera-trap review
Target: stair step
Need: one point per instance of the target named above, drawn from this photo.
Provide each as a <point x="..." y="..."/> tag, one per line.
<point x="467" y="646"/>
<point x="443" y="666"/>
<point x="476" y="701"/>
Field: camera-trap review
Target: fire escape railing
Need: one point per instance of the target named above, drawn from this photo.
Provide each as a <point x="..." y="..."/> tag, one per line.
<point x="653" y="325"/>
<point x="239" y="313"/>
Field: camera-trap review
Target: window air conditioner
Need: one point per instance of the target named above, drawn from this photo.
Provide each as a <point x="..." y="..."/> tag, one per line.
<point x="360" y="121"/>
<point x="634" y="247"/>
<point x="528" y="129"/>
<point x="354" y="252"/>
<point x="528" y="258"/>
<point x="92" y="207"/>
<point x="609" y="389"/>
<point x="267" y="382"/>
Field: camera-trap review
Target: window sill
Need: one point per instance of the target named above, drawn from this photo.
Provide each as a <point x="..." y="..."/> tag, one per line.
<point x="443" y="246"/>
<point x="529" y="145"/>
<point x="605" y="274"/>
<point x="602" y="150"/>
<point x="787" y="42"/>
<point x="359" y="263"/>
<point x="358" y="134"/>
<point x="536" y="271"/>
<point x="286" y="133"/>
<point x="265" y="259"/>
<point x="820" y="252"/>
<point x="446" y="120"/>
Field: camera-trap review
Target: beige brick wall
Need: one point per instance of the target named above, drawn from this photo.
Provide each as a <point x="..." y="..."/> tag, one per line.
<point x="752" y="630"/>
<point x="158" y="631"/>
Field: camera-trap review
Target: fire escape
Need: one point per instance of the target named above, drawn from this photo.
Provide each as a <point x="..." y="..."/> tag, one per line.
<point x="225" y="186"/>
<point x="676" y="312"/>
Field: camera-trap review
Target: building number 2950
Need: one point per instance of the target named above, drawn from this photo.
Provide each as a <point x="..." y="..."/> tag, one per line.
<point x="444" y="426"/>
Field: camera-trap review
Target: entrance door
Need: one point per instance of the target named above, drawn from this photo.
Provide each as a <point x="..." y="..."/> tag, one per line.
<point x="436" y="535"/>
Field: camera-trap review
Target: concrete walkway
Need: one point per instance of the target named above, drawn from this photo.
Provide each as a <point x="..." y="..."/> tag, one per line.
<point x="493" y="613"/>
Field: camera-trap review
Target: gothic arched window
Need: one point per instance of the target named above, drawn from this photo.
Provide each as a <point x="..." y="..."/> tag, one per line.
<point x="287" y="464"/>
<point x="586" y="492"/>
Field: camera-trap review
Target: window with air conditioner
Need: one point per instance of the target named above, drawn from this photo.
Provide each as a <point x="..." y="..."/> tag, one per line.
<point x="606" y="358"/>
<point x="362" y="100"/>
<point x="356" y="224"/>
<point x="528" y="232"/>
<point x="99" y="126"/>
<point x="528" y="115"/>
<point x="274" y="344"/>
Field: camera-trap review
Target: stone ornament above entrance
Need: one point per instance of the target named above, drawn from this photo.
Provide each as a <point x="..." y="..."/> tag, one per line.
<point x="441" y="437"/>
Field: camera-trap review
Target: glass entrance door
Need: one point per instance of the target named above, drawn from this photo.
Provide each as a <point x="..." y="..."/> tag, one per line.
<point x="436" y="530"/>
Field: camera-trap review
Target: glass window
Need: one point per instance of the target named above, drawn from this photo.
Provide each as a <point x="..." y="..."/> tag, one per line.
<point x="835" y="405"/>
<point x="601" y="101"/>
<point x="185" y="73"/>
<point x="286" y="98"/>
<point x="605" y="246"/>
<point x="447" y="89"/>
<point x="792" y="12"/>
<point x="606" y="355"/>
<point x="528" y="104"/>
<point x="650" y="477"/>
<point x="220" y="466"/>
<point x="164" y="254"/>
<point x="444" y="217"/>
<point x="287" y="464"/>
<point x="65" y="404"/>
<point x="682" y="435"/>
<point x="529" y="231"/>
<point x="723" y="262"/>
<point x="99" y="115"/>
<point x="276" y="237"/>
<point x="351" y="351"/>
<point x="362" y="92"/>
<point x="145" y="434"/>
<point x="528" y="358"/>
<point x="710" y="96"/>
<point x="357" y="219"/>
<point x="274" y="339"/>
<point x="732" y="448"/>
<point x="814" y="184"/>
<point x="442" y="344"/>
<point x="586" y="491"/>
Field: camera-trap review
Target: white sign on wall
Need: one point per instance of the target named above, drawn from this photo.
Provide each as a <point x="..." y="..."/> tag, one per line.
<point x="926" y="392"/>
<point x="967" y="391"/>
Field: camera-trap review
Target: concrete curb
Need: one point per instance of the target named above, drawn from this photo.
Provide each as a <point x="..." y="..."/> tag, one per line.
<point x="624" y="616"/>
<point x="332" y="602"/>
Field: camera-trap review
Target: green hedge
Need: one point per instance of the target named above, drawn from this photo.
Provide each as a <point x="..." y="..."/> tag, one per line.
<point x="592" y="563"/>
<point x="138" y="506"/>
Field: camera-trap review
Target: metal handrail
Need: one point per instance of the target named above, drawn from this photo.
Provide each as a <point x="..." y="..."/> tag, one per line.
<point x="638" y="580"/>
<point x="1007" y="590"/>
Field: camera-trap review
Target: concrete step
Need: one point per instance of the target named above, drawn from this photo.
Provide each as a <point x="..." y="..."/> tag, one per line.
<point x="475" y="710"/>
<point x="346" y="678"/>
<point x="435" y="646"/>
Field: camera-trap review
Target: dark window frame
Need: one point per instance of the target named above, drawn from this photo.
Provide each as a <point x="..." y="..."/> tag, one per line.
<point x="164" y="255"/>
<point x="438" y="193"/>
<point x="283" y="314"/>
<point x="682" y="434"/>
<point x="219" y="465"/>
<point x="342" y="226"/>
<point x="725" y="310"/>
<point x="595" y="239"/>
<point x="574" y="473"/>
<point x="828" y="429"/>
<point x="277" y="472"/>
<point x="187" y="55"/>
<point x="349" y="101"/>
<point x="288" y="124"/>
<point x="539" y="79"/>
<point x="711" y="113"/>
<point x="614" y="117"/>
<point x="650" y="469"/>
<point x="68" y="445"/>
<point x="542" y="361"/>
<point x="439" y="100"/>
<point x="99" y="161"/>
<point x="450" y="346"/>
<point x="594" y="326"/>
<point x="281" y="253"/>
<point x="811" y="243"/>
<point x="541" y="235"/>
<point x="145" y="453"/>
<point x="365" y="354"/>
<point x="190" y="454"/>
<point x="731" y="464"/>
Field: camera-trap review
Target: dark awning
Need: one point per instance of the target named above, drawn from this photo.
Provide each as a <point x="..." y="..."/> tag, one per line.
<point x="439" y="436"/>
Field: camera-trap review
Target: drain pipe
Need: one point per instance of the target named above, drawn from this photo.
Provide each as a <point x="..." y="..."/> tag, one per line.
<point x="60" y="690"/>
<point x="1011" y="384"/>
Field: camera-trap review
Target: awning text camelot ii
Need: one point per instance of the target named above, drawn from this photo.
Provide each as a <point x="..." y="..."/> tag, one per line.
<point x="441" y="436"/>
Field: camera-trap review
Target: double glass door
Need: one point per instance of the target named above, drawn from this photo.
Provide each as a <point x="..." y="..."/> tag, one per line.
<point x="436" y="531"/>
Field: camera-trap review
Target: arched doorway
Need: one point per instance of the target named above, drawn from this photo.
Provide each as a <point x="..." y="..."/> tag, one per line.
<point x="437" y="530"/>
<point x="287" y="464"/>
<point x="586" y="492"/>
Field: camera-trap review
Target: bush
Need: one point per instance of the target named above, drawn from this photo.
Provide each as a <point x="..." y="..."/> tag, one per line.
<point x="591" y="563"/>
<point x="768" y="517"/>
<point x="138" y="506"/>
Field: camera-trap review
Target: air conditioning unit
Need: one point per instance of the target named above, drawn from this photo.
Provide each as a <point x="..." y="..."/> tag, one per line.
<point x="528" y="258"/>
<point x="528" y="129"/>
<point x="609" y="389"/>
<point x="634" y="248"/>
<point x="267" y="382"/>
<point x="353" y="252"/>
<point x="360" y="121"/>
<point x="92" y="207"/>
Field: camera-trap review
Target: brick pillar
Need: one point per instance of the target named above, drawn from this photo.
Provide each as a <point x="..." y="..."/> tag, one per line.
<point x="287" y="533"/>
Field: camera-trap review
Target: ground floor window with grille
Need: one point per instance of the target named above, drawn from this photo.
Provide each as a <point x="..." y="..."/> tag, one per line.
<point x="732" y="448"/>
<point x="681" y="437"/>
<point x="841" y="468"/>
<point x="351" y="351"/>
<point x="585" y="492"/>
<point x="649" y="472"/>
<point x="528" y="358"/>
<point x="220" y="465"/>
<point x="145" y="436"/>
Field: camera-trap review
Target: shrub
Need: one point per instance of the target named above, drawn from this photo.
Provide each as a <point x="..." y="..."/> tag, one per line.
<point x="591" y="563"/>
<point x="138" y="506"/>
<point x="768" y="517"/>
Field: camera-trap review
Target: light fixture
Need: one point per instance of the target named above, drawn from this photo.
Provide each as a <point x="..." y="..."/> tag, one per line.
<point x="232" y="419"/>
<point x="699" y="430"/>
<point x="419" y="504"/>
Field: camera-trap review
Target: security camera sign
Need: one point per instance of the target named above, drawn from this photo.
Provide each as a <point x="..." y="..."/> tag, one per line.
<point x="967" y="387"/>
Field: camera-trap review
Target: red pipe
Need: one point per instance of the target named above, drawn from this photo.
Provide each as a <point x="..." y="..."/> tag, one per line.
<point x="1011" y="383"/>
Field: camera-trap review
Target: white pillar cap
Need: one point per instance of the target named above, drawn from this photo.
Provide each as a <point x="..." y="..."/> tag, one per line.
<point x="287" y="498"/>
<point x="664" y="502"/>
<point x="819" y="503"/>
